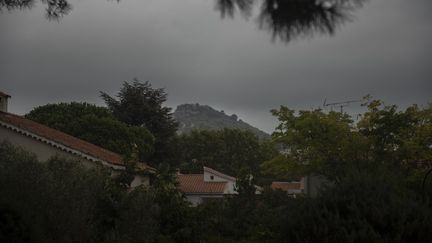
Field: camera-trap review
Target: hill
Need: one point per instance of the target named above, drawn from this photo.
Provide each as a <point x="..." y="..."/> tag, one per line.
<point x="204" y="117"/>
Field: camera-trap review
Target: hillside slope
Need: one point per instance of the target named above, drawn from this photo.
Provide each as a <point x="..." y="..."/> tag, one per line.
<point x="204" y="117"/>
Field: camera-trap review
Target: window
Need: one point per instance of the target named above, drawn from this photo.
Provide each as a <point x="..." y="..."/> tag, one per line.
<point x="211" y="177"/>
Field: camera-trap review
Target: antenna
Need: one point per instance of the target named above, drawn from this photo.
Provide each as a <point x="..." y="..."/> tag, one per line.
<point x="341" y="104"/>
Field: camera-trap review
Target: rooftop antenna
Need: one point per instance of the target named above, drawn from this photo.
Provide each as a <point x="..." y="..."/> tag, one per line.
<point x="341" y="104"/>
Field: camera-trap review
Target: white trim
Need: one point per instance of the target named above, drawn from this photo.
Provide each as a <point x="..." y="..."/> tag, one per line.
<point x="60" y="146"/>
<point x="212" y="171"/>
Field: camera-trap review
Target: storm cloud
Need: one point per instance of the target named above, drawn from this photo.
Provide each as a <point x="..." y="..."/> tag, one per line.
<point x="228" y="63"/>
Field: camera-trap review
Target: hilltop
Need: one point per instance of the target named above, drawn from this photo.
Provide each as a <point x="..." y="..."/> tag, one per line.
<point x="204" y="117"/>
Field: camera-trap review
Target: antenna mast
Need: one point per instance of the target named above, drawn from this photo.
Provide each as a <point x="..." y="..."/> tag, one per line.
<point x="341" y="104"/>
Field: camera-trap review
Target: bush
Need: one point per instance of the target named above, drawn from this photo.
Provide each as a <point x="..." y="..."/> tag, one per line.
<point x="62" y="201"/>
<point x="359" y="209"/>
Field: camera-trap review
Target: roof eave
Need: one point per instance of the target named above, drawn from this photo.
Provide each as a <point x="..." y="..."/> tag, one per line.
<point x="61" y="146"/>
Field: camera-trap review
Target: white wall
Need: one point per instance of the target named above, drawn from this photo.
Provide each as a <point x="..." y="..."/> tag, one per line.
<point x="42" y="150"/>
<point x="140" y="180"/>
<point x="208" y="177"/>
<point x="229" y="187"/>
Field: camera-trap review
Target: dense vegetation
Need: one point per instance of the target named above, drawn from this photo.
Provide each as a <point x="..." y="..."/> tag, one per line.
<point x="376" y="168"/>
<point x="226" y="150"/>
<point x="96" y="125"/>
<point x="332" y="145"/>
<point x="61" y="201"/>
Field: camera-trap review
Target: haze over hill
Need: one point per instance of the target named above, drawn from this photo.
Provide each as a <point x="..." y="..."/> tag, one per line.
<point x="204" y="117"/>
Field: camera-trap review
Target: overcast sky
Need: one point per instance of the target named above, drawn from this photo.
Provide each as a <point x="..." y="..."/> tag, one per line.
<point x="230" y="64"/>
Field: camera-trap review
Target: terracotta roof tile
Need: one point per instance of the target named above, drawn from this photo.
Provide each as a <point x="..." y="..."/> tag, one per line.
<point x="62" y="138"/>
<point x="285" y="186"/>
<point x="194" y="183"/>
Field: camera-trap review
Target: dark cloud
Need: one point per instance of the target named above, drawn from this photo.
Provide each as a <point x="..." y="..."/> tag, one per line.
<point x="228" y="63"/>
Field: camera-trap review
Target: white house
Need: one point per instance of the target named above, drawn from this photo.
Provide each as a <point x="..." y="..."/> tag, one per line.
<point x="46" y="142"/>
<point x="210" y="185"/>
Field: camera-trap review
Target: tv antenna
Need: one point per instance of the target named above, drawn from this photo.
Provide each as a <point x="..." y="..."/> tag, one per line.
<point x="341" y="104"/>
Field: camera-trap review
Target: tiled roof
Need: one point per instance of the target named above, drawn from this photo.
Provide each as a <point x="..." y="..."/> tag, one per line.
<point x="194" y="183"/>
<point x="285" y="186"/>
<point x="61" y="138"/>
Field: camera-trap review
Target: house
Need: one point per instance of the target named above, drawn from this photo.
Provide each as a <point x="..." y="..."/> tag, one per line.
<point x="309" y="185"/>
<point x="209" y="185"/>
<point x="46" y="142"/>
<point x="292" y="188"/>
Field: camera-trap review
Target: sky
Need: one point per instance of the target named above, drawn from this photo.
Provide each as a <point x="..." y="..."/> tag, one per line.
<point x="231" y="64"/>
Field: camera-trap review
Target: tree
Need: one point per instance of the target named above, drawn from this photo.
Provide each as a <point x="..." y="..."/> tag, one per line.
<point x="53" y="200"/>
<point x="313" y="141"/>
<point x="330" y="144"/>
<point x="288" y="20"/>
<point x="64" y="201"/>
<point x="285" y="20"/>
<point x="364" y="207"/>
<point x="96" y="125"/>
<point x="400" y="138"/>
<point x="227" y="150"/>
<point x="141" y="105"/>
<point x="55" y="9"/>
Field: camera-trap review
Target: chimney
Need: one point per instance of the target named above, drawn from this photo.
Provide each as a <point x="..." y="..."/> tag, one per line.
<point x="4" y="102"/>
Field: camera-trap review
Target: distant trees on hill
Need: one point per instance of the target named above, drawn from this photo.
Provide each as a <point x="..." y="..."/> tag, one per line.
<point x="203" y="117"/>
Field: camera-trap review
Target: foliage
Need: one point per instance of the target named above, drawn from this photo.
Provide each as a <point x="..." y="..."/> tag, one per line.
<point x="362" y="208"/>
<point x="245" y="183"/>
<point x="227" y="150"/>
<point x="315" y="140"/>
<point x="176" y="218"/>
<point x="400" y="138"/>
<point x="288" y="20"/>
<point x="96" y="125"/>
<point x="138" y="217"/>
<point x="63" y="201"/>
<point x="331" y="144"/>
<point x="378" y="165"/>
<point x="141" y="105"/>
